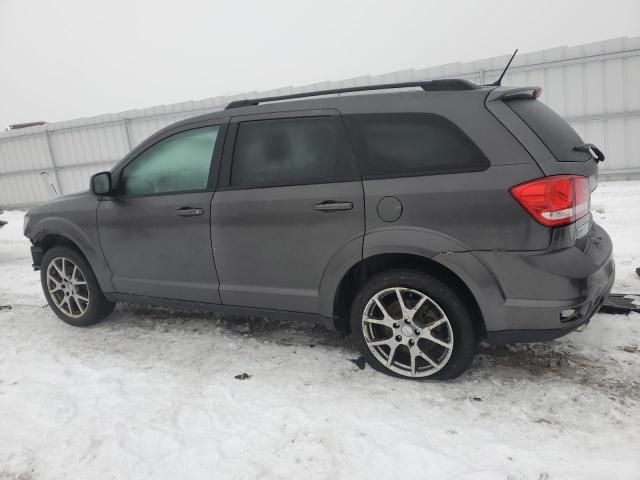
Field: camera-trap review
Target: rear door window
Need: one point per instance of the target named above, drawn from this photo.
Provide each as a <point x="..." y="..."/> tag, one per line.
<point x="411" y="144"/>
<point x="291" y="151"/>
<point x="551" y="128"/>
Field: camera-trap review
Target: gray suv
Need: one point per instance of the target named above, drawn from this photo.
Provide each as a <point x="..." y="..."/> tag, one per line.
<point x="420" y="219"/>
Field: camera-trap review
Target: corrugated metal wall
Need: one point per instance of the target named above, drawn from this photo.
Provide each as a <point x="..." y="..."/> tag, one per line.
<point x="595" y="87"/>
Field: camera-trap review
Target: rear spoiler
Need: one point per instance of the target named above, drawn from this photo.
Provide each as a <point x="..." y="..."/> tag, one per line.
<point x="513" y="93"/>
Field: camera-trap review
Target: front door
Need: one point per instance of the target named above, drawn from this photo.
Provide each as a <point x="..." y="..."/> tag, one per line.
<point x="155" y="231"/>
<point x="289" y="201"/>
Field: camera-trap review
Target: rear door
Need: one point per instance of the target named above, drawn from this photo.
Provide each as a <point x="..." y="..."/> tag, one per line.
<point x="289" y="199"/>
<point x="155" y="231"/>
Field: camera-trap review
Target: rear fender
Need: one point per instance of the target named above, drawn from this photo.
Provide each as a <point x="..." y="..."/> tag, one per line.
<point x="451" y="254"/>
<point x="482" y="283"/>
<point x="412" y="240"/>
<point x="438" y="247"/>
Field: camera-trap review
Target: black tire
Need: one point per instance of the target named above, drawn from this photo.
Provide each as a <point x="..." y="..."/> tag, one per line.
<point x="98" y="306"/>
<point x="461" y="331"/>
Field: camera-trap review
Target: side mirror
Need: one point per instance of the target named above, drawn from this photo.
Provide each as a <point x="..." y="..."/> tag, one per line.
<point x="101" y="183"/>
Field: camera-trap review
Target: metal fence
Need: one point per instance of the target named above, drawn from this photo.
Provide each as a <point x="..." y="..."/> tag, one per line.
<point x="594" y="86"/>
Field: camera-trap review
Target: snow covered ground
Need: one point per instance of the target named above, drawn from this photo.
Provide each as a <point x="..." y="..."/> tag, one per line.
<point x="151" y="393"/>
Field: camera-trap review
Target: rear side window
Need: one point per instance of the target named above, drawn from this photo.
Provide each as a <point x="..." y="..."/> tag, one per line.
<point x="411" y="144"/>
<point x="291" y="151"/>
<point x="551" y="128"/>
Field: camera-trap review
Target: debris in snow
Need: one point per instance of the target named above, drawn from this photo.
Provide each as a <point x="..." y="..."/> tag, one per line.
<point x="243" y="328"/>
<point x="629" y="348"/>
<point x="477" y="399"/>
<point x="542" y="420"/>
<point x="360" y="362"/>
<point x="621" y="303"/>
<point x="638" y="271"/>
<point x="243" y="376"/>
<point x="5" y="307"/>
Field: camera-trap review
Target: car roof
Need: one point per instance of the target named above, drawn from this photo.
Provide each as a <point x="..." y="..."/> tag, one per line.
<point x="343" y="98"/>
<point x="387" y="99"/>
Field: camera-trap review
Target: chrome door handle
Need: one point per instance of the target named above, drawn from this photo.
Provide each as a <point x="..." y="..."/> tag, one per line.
<point x="190" y="212"/>
<point x="332" y="206"/>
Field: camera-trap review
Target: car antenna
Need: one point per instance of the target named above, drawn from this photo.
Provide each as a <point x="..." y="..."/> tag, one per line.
<point x="498" y="82"/>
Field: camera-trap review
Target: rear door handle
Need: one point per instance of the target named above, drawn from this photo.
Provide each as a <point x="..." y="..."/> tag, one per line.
<point x="332" y="206"/>
<point x="190" y="212"/>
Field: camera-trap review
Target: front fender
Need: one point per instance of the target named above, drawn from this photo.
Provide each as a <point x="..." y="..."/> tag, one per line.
<point x="82" y="231"/>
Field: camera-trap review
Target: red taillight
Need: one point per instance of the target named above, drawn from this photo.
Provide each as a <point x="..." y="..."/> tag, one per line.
<point x="554" y="201"/>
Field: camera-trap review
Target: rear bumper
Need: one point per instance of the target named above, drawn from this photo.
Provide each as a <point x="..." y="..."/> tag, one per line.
<point x="583" y="315"/>
<point x="522" y="295"/>
<point x="538" y="287"/>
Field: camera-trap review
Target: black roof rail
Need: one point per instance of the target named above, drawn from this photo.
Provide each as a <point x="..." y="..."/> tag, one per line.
<point x="427" y="86"/>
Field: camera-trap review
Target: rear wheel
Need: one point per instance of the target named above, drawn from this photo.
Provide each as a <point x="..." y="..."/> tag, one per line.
<point x="412" y="325"/>
<point x="71" y="288"/>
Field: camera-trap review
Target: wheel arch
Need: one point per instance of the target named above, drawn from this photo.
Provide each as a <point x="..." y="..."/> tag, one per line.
<point x="359" y="272"/>
<point x="51" y="233"/>
<point x="51" y="240"/>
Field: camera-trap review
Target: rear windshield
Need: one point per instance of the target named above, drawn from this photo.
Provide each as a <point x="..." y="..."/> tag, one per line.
<point x="551" y="128"/>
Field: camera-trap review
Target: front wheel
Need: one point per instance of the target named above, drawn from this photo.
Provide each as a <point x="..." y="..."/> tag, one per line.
<point x="412" y="325"/>
<point x="71" y="288"/>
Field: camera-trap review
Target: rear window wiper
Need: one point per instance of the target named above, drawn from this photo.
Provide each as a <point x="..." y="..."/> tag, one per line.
<point x="591" y="149"/>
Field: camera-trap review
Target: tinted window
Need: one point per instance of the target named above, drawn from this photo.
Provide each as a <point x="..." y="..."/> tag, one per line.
<point x="551" y="128"/>
<point x="177" y="163"/>
<point x="411" y="144"/>
<point x="290" y="151"/>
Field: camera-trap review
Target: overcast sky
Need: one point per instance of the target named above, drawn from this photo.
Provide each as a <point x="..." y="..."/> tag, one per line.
<point x="62" y="59"/>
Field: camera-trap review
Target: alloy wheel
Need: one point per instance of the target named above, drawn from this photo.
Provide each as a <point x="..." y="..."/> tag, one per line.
<point x="407" y="331"/>
<point x="67" y="287"/>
